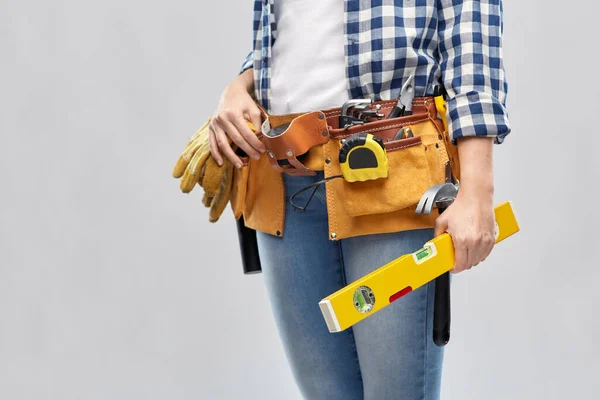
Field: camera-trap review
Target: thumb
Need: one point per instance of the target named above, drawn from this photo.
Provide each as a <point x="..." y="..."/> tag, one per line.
<point x="441" y="224"/>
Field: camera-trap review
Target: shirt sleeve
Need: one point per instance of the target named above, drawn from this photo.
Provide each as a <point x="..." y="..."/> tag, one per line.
<point x="248" y="62"/>
<point x="470" y="45"/>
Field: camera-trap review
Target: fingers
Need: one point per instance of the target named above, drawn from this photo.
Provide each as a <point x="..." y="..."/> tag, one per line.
<point x="487" y="246"/>
<point x="239" y="132"/>
<point x="471" y="250"/>
<point x="222" y="143"/>
<point x="441" y="224"/>
<point x="234" y="129"/>
<point x="255" y="117"/>
<point x="214" y="148"/>
<point x="250" y="137"/>
<point x="461" y="255"/>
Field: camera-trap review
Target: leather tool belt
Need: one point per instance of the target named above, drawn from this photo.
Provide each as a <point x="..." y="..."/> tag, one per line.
<point x="301" y="144"/>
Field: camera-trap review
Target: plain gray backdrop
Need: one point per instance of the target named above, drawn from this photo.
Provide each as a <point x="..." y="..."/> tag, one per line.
<point x="113" y="285"/>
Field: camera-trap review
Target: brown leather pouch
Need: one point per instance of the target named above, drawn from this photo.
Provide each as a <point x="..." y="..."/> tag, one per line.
<point x="408" y="178"/>
<point x="239" y="188"/>
<point x="414" y="165"/>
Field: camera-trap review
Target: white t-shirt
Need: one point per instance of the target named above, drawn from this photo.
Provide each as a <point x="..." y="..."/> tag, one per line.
<point x="308" y="69"/>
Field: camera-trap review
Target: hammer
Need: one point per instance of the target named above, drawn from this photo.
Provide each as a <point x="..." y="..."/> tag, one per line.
<point x="441" y="195"/>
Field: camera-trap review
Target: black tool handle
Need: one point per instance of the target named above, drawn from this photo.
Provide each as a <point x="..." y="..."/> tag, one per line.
<point x="441" y="306"/>
<point x="441" y="310"/>
<point x="396" y="112"/>
<point x="248" y="248"/>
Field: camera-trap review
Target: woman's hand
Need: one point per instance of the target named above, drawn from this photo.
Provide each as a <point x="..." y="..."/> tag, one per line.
<point x="229" y="122"/>
<point x="470" y="219"/>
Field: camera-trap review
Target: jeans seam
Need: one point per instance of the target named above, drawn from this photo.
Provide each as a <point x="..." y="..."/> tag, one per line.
<point x="321" y="196"/>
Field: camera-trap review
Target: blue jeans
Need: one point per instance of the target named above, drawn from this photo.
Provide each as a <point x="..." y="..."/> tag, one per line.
<point x="391" y="354"/>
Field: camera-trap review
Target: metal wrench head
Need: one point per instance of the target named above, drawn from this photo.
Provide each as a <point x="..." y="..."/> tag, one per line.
<point x="442" y="191"/>
<point x="355" y="103"/>
<point x="370" y="114"/>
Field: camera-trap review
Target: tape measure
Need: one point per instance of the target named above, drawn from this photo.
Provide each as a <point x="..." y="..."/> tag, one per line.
<point x="363" y="158"/>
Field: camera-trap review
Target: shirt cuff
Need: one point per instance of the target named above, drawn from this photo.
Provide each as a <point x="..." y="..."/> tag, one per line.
<point x="248" y="62"/>
<point x="477" y="114"/>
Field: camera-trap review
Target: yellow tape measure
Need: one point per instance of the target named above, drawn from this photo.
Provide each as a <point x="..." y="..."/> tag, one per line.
<point x="362" y="158"/>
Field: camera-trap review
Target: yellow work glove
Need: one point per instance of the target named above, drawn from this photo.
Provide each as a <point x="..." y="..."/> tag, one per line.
<point x="197" y="166"/>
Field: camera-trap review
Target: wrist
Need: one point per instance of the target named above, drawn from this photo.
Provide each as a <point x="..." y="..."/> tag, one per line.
<point x="476" y="166"/>
<point x="481" y="188"/>
<point x="244" y="81"/>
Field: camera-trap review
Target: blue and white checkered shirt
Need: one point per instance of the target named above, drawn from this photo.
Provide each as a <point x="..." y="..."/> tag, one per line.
<point x="457" y="42"/>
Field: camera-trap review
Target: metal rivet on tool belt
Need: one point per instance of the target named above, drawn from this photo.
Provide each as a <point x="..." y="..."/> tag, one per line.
<point x="271" y="154"/>
<point x="289" y="153"/>
<point x="439" y="137"/>
<point x="333" y="235"/>
<point x="321" y="116"/>
<point x="278" y="233"/>
<point x="437" y="145"/>
<point x="327" y="160"/>
<point x="324" y="133"/>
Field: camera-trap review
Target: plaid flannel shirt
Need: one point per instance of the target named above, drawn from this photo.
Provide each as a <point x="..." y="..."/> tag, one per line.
<point x="457" y="43"/>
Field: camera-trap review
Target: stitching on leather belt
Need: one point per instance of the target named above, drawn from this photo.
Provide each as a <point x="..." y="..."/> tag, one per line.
<point x="400" y="145"/>
<point x="382" y="128"/>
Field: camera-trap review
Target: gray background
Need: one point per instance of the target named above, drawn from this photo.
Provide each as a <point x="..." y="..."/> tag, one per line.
<point x="107" y="272"/>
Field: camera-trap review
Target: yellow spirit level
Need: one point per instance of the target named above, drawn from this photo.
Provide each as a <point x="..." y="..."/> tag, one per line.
<point x="399" y="277"/>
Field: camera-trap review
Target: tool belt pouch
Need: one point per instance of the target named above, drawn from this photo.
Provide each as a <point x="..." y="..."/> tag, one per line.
<point x="409" y="177"/>
<point x="414" y="163"/>
<point x="239" y="188"/>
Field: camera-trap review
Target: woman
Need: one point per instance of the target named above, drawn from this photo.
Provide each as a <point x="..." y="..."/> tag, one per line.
<point x="317" y="54"/>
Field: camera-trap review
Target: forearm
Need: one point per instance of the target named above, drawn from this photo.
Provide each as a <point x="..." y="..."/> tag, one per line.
<point x="476" y="165"/>
<point x="245" y="80"/>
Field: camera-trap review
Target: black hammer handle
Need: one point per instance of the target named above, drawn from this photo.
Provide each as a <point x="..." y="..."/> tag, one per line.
<point x="248" y="248"/>
<point x="441" y="303"/>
